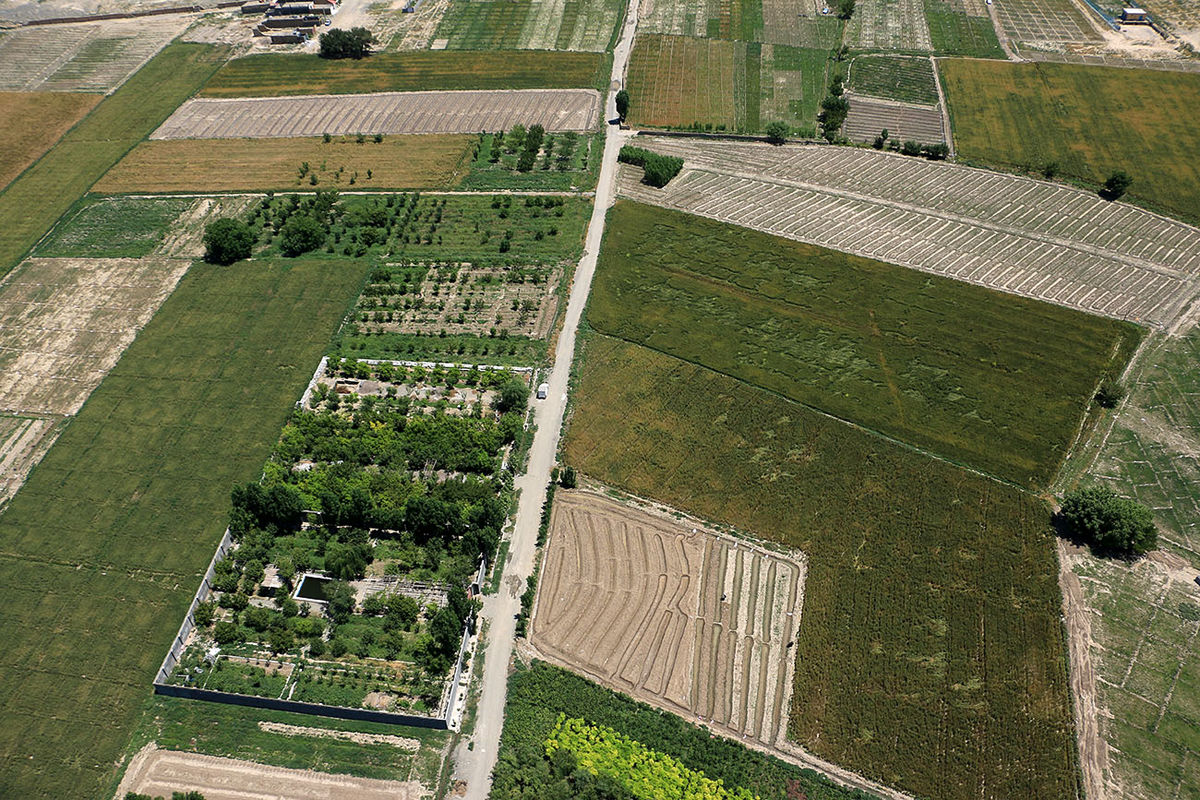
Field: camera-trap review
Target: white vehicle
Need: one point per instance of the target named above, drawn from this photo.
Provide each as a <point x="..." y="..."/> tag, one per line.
<point x="542" y="391"/>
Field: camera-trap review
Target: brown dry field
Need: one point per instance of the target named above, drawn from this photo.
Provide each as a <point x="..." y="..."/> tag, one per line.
<point x="246" y="165"/>
<point x="30" y="122"/>
<point x="689" y="620"/>
<point x="161" y="772"/>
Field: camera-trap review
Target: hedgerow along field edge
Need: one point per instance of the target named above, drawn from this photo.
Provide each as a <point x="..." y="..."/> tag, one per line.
<point x="276" y="74"/>
<point x="105" y="543"/>
<point x="36" y="199"/>
<point x="997" y="382"/>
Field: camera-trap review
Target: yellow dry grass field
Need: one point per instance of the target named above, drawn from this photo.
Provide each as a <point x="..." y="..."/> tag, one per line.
<point x="247" y="165"/>
<point x="689" y="620"/>
<point x="30" y="122"/>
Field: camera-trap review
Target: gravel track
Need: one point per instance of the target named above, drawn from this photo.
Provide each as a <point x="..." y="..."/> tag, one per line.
<point x="387" y="112"/>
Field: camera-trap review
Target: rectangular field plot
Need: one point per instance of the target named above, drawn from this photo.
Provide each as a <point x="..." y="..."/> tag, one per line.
<point x="445" y="70"/>
<point x="584" y="25"/>
<point x="23" y="442"/>
<point x="907" y="80"/>
<point x="682" y="82"/>
<point x="931" y="609"/>
<point x="798" y="23"/>
<point x="246" y="165"/>
<point x="1045" y="22"/>
<point x="692" y="621"/>
<point x="122" y="227"/>
<point x="1048" y="241"/>
<point x="903" y="121"/>
<point x="962" y="28"/>
<point x="92" y="57"/>
<point x="386" y="113"/>
<point x="30" y="122"/>
<point x="889" y="25"/>
<point x="1030" y="115"/>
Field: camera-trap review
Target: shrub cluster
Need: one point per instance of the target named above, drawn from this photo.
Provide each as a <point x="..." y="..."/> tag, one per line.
<point x="659" y="169"/>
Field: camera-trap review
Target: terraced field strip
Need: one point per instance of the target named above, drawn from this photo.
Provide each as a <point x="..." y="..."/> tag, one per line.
<point x="555" y="110"/>
<point x="1041" y="240"/>
<point x="86" y="57"/>
<point x="902" y="121"/>
<point x="683" y="618"/>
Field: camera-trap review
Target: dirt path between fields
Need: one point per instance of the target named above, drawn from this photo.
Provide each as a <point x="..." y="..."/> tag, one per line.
<point x="1093" y="750"/>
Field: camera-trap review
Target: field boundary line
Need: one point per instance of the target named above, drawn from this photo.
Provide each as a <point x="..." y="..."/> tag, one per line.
<point x="947" y="129"/>
<point x="858" y="426"/>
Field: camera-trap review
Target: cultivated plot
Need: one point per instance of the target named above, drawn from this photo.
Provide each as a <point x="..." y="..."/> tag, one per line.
<point x="686" y="619"/>
<point x="156" y="773"/>
<point x="901" y="78"/>
<point x="91" y="57"/>
<point x="962" y="27"/>
<point x="903" y="121"/>
<point x="30" y="122"/>
<point x="1046" y="23"/>
<point x="1042" y="240"/>
<point x="384" y="113"/>
<point x="799" y="23"/>
<point x="889" y="25"/>
<point x="539" y="25"/>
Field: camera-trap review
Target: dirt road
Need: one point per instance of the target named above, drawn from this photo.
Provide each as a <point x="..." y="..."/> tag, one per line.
<point x="475" y="766"/>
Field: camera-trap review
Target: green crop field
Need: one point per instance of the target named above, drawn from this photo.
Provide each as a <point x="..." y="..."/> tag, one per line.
<point x="684" y="82"/>
<point x="537" y="694"/>
<point x="587" y="25"/>
<point x="953" y="32"/>
<point x="32" y="203"/>
<point x="894" y="77"/>
<point x="122" y="227"/>
<point x="930" y="654"/>
<point x="1088" y="120"/>
<point x="104" y="545"/>
<point x="286" y="74"/>
<point x="987" y="379"/>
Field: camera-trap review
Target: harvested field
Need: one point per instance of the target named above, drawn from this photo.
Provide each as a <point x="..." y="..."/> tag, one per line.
<point x="160" y="772"/>
<point x="1087" y="120"/>
<point x="1048" y="241"/>
<point x="903" y="121"/>
<point x="248" y="165"/>
<point x="1045" y="23"/>
<point x="88" y="57"/>
<point x="888" y="25"/>
<point x="64" y="323"/>
<point x="443" y="70"/>
<point x="393" y="112"/>
<point x="695" y="622"/>
<point x="31" y="122"/>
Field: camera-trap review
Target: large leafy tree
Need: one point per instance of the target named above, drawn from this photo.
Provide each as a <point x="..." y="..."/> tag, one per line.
<point x="227" y="241"/>
<point x="354" y="43"/>
<point x="1110" y="522"/>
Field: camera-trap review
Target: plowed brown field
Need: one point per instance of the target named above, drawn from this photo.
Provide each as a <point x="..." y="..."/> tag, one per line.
<point x="683" y="618"/>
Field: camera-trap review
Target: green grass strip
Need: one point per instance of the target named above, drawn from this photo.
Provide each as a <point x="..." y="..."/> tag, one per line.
<point x="32" y="203"/>
<point x="102" y="548"/>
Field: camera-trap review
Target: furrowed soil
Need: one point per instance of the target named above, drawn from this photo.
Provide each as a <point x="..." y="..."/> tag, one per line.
<point x="930" y="654"/>
<point x="104" y="545"/>
<point x="994" y="381"/>
<point x="32" y="203"/>
<point x="1087" y="120"/>
<point x="31" y="122"/>
<point x="241" y="165"/>
<point x="291" y="74"/>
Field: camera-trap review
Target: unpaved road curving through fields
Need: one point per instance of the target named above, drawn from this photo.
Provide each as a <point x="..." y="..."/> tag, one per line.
<point x="475" y="766"/>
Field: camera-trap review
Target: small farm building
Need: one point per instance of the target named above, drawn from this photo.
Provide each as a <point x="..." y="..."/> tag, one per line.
<point x="1134" y="15"/>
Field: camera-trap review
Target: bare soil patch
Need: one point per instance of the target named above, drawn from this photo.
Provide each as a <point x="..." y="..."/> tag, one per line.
<point x="902" y="121"/>
<point x="357" y="737"/>
<point x="687" y="619"/>
<point x="30" y="122"/>
<point x="386" y="112"/>
<point x="161" y="772"/>
<point x="248" y="165"/>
